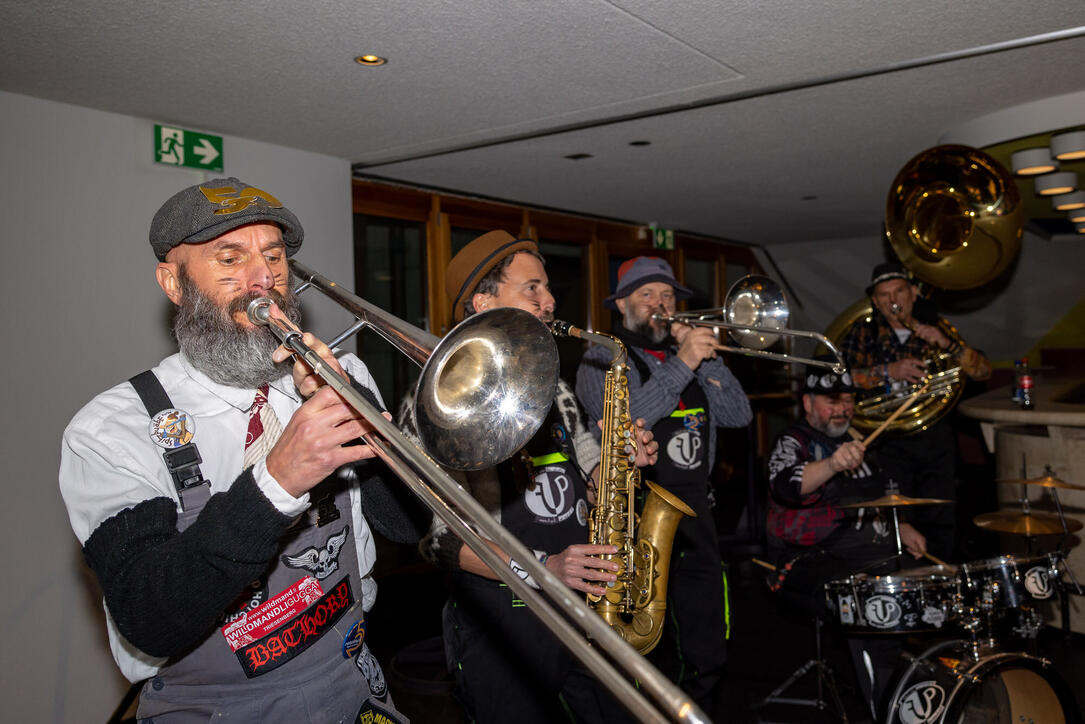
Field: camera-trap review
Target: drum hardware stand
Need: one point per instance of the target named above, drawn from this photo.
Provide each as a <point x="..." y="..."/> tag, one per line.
<point x="1031" y="627"/>
<point x="825" y="681"/>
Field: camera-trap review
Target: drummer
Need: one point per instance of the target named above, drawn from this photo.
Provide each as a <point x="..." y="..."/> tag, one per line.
<point x="814" y="468"/>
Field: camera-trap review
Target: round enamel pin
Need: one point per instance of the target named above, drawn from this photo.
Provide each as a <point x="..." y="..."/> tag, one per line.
<point x="172" y="428"/>
<point x="352" y="642"/>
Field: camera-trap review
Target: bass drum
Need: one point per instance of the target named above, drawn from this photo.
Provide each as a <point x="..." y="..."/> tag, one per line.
<point x="945" y="685"/>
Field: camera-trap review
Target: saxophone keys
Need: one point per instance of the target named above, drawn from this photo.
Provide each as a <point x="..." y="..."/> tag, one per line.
<point x="615" y="592"/>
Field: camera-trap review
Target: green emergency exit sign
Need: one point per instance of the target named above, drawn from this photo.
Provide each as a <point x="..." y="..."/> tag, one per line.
<point x="182" y="147"/>
<point x="662" y="238"/>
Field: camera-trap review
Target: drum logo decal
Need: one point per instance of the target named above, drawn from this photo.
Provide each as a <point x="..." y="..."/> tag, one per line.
<point x="921" y="703"/>
<point x="847" y="607"/>
<point x="882" y="611"/>
<point x="934" y="616"/>
<point x="1038" y="583"/>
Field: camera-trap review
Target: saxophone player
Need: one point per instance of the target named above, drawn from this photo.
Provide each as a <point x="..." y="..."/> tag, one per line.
<point x="505" y="662"/>
<point x="890" y="350"/>
<point x="684" y="391"/>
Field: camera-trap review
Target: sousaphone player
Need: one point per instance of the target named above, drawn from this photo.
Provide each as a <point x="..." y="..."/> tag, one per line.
<point x="891" y="350"/>
<point x="954" y="218"/>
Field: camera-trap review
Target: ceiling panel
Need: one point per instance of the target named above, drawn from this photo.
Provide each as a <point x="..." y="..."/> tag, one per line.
<point x="749" y="106"/>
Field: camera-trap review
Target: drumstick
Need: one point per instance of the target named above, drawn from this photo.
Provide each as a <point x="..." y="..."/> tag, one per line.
<point x="896" y="414"/>
<point x="935" y="559"/>
<point x="855" y="434"/>
<point x="763" y="564"/>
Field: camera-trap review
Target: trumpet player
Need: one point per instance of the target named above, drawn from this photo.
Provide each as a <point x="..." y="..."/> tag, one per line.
<point x="235" y="565"/>
<point x="891" y="352"/>
<point x="683" y="391"/>
<point x="507" y="665"/>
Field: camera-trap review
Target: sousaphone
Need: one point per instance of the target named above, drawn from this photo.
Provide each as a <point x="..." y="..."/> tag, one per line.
<point x="954" y="217"/>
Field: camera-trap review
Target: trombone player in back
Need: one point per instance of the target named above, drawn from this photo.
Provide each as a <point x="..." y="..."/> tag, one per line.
<point x="891" y="352"/>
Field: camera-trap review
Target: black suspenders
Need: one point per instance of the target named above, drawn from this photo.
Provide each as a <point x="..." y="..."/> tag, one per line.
<point x="183" y="463"/>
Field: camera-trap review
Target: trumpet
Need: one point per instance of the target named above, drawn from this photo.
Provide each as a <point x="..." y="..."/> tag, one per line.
<point x="755" y="312"/>
<point x="475" y="380"/>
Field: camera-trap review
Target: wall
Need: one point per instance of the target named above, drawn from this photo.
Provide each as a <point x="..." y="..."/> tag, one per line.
<point x="82" y="312"/>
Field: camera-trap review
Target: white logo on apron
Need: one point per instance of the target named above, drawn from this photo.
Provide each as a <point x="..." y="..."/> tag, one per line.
<point x="551" y="500"/>
<point x="683" y="450"/>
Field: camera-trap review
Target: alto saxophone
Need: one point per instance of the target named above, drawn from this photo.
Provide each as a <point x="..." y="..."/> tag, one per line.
<point x="635" y="605"/>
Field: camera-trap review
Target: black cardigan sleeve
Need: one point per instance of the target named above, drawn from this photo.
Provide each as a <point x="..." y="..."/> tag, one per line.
<point x="165" y="589"/>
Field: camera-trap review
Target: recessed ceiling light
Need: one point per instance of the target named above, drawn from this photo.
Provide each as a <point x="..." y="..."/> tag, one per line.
<point x="370" y="60"/>
<point x="1068" y="146"/>
<point x="578" y="156"/>
<point x="1068" y="202"/>
<point x="1061" y="182"/>
<point x="1032" y="161"/>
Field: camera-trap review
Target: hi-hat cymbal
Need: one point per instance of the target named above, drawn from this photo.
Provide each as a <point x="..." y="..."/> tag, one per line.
<point x="895" y="501"/>
<point x="1010" y="521"/>
<point x="1047" y="481"/>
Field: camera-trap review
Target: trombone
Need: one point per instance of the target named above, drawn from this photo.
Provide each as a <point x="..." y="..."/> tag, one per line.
<point x="755" y="312"/>
<point x="476" y="370"/>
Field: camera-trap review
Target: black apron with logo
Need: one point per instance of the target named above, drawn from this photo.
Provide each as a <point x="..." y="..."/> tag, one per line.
<point x="505" y="661"/>
<point x="693" y="648"/>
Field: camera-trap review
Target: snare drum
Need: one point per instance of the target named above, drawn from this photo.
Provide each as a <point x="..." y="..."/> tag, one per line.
<point x="1009" y="582"/>
<point x="921" y="599"/>
<point x="947" y="685"/>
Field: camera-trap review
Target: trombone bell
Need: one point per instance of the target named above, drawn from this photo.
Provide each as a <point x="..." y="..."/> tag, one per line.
<point x="756" y="301"/>
<point x="755" y="313"/>
<point x="486" y="388"/>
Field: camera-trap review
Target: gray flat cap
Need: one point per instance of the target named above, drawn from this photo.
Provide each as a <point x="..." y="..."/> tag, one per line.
<point x="209" y="210"/>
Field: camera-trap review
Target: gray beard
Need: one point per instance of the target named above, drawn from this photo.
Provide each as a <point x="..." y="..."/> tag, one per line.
<point x="836" y="429"/>
<point x="217" y="346"/>
<point x="645" y="328"/>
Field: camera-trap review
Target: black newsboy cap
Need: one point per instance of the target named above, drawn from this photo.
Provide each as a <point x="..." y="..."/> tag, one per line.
<point x="209" y="210"/>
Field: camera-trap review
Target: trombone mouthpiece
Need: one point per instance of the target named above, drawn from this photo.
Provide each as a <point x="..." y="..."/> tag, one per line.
<point x="259" y="310"/>
<point x="895" y="308"/>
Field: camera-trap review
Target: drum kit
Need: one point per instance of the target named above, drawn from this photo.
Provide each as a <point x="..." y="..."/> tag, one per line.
<point x="968" y="678"/>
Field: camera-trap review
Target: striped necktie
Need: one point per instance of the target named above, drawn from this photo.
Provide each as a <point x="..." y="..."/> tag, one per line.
<point x="264" y="429"/>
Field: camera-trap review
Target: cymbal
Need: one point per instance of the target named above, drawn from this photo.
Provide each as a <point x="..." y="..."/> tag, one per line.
<point x="894" y="500"/>
<point x="1047" y="481"/>
<point x="1010" y="521"/>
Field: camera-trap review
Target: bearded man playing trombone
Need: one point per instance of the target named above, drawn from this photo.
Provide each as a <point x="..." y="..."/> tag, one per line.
<point x="235" y="564"/>
<point x="890" y="351"/>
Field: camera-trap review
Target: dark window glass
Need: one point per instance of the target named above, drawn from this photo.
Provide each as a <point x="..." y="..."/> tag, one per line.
<point x="701" y="279"/>
<point x="390" y="272"/>
<point x="565" y="269"/>
<point x="462" y="237"/>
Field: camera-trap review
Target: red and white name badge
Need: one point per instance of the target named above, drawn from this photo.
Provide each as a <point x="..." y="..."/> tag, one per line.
<point x="259" y="622"/>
